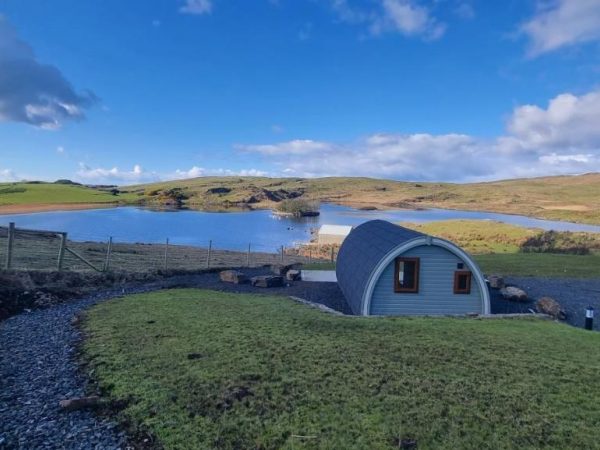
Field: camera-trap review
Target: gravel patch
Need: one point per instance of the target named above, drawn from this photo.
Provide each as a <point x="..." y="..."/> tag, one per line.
<point x="573" y="294"/>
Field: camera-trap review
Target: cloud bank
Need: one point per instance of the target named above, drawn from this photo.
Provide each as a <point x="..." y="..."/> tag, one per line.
<point x="32" y="92"/>
<point x="563" y="138"/>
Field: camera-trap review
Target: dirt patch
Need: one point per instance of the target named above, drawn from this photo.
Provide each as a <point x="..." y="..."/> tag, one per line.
<point x="568" y="207"/>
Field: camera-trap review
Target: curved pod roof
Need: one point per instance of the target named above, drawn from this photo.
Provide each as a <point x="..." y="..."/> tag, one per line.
<point x="370" y="247"/>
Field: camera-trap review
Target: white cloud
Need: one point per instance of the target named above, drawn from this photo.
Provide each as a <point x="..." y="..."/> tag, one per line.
<point x="60" y="150"/>
<point x="196" y="172"/>
<point x="569" y="122"/>
<point x="115" y="175"/>
<point x="561" y="139"/>
<point x="32" y="92"/>
<point x="7" y="175"/>
<point x="296" y="147"/>
<point x="197" y="7"/>
<point x="407" y="17"/>
<point x="562" y="23"/>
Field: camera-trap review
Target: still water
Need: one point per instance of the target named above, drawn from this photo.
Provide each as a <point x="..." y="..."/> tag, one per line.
<point x="235" y="230"/>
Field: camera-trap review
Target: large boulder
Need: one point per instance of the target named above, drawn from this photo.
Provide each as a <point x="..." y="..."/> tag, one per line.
<point x="547" y="305"/>
<point x="496" y="281"/>
<point x="514" y="294"/>
<point x="233" y="276"/>
<point x="267" y="281"/>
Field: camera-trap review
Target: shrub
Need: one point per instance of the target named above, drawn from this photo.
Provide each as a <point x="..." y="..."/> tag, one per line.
<point x="297" y="206"/>
<point x="559" y="242"/>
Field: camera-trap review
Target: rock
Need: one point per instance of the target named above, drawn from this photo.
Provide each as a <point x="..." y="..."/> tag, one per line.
<point x="267" y="281"/>
<point x="514" y="294"/>
<point x="293" y="275"/>
<point x="547" y="305"/>
<point x="77" y="403"/>
<point x="233" y="276"/>
<point x="496" y="281"/>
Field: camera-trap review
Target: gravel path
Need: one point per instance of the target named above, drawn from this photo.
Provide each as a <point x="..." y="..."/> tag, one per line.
<point x="38" y="368"/>
<point x="574" y="295"/>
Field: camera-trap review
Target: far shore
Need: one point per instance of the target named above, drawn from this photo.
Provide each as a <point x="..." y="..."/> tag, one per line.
<point x="48" y="207"/>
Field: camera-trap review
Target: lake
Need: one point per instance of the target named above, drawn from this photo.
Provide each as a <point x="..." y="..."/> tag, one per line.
<point x="235" y="230"/>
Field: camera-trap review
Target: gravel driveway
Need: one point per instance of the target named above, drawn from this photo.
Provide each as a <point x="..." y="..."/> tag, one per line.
<point x="38" y="368"/>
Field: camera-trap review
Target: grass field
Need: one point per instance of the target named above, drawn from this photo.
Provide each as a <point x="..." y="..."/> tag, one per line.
<point x="201" y="369"/>
<point x="51" y="193"/>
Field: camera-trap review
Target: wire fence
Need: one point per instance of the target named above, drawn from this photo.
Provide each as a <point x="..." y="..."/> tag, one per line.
<point x="25" y="249"/>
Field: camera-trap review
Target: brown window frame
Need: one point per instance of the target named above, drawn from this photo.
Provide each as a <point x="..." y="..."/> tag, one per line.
<point x="397" y="287"/>
<point x="458" y="274"/>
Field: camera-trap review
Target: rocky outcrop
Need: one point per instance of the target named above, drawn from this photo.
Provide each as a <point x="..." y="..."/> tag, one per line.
<point x="218" y="190"/>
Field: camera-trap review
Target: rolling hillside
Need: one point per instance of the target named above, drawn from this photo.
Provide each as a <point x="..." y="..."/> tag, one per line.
<point x="573" y="198"/>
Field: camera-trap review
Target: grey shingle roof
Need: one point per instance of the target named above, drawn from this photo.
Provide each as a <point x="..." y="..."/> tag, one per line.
<point x="361" y="252"/>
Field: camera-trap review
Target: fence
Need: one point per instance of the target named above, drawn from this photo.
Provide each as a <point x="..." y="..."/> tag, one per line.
<point x="52" y="250"/>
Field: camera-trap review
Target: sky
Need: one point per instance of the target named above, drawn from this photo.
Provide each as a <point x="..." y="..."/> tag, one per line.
<point x="124" y="92"/>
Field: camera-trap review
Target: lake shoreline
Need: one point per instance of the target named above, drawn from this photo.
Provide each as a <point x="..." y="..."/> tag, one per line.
<point x="53" y="207"/>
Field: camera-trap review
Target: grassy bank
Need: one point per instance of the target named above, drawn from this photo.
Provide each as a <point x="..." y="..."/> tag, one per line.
<point x="202" y="369"/>
<point x="35" y="194"/>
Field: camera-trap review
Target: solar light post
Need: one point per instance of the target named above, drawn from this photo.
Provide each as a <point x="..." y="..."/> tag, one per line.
<point x="589" y="318"/>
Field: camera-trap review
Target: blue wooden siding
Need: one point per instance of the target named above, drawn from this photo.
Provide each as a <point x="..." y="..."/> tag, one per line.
<point x="436" y="287"/>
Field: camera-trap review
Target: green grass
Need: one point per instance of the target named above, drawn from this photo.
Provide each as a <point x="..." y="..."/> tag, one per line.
<point x="541" y="264"/>
<point x="50" y="193"/>
<point x="478" y="236"/>
<point x="271" y="370"/>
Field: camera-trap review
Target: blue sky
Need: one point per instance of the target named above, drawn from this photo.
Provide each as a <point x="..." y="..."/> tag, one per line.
<point x="454" y="90"/>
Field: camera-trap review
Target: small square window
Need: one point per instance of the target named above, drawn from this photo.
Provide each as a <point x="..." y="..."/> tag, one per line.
<point x="462" y="282"/>
<point x="460" y="266"/>
<point x="406" y="275"/>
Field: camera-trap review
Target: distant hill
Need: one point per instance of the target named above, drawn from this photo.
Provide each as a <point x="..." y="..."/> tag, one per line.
<point x="573" y="198"/>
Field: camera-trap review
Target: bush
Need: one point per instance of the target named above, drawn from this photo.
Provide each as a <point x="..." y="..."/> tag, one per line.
<point x="559" y="242"/>
<point x="297" y="207"/>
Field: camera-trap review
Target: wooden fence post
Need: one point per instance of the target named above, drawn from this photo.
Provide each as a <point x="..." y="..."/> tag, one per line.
<point x="9" y="245"/>
<point x="208" y="254"/>
<point x="108" y="252"/>
<point x="309" y="256"/>
<point x="332" y="253"/>
<point x="282" y="249"/>
<point x="248" y="257"/>
<point x="167" y="255"/>
<point x="61" y="251"/>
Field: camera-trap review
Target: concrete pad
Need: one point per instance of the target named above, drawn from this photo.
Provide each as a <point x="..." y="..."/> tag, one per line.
<point x="319" y="276"/>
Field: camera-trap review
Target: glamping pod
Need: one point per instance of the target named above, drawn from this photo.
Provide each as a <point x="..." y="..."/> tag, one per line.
<point x="385" y="269"/>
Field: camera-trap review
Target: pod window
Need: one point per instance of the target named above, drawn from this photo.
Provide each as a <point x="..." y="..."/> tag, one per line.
<point x="406" y="275"/>
<point x="462" y="282"/>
